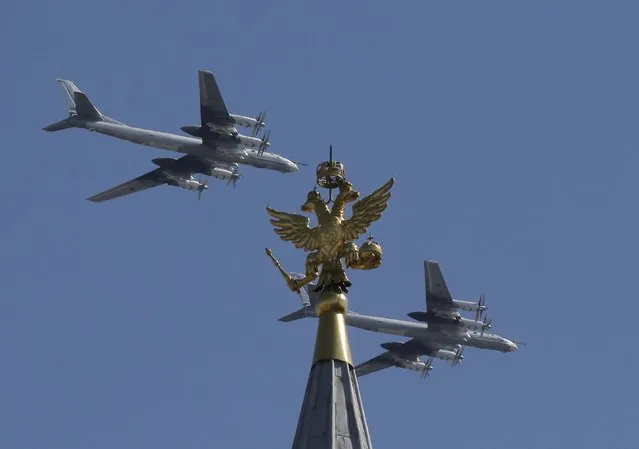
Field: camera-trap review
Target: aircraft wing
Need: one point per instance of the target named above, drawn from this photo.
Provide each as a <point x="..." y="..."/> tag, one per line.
<point x="213" y="112"/>
<point x="410" y="350"/>
<point x="438" y="298"/>
<point x="146" y="181"/>
<point x="375" y="364"/>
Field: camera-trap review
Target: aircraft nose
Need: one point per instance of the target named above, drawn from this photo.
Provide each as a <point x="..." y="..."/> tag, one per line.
<point x="292" y="167"/>
<point x="512" y="347"/>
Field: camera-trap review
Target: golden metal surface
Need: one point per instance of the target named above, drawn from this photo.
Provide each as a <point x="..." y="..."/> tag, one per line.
<point x="332" y="340"/>
<point x="333" y="238"/>
<point x="330" y="174"/>
<point x="370" y="255"/>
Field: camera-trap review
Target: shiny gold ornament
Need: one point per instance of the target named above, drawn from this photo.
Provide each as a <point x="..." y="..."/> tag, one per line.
<point x="331" y="341"/>
<point x="333" y="238"/>
<point x="330" y="174"/>
<point x="370" y="255"/>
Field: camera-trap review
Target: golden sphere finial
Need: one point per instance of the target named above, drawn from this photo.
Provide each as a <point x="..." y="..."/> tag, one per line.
<point x="370" y="254"/>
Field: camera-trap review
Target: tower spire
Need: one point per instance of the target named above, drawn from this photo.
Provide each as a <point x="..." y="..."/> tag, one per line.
<point x="332" y="414"/>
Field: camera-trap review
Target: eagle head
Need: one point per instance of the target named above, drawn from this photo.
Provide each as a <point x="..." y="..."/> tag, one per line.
<point x="312" y="197"/>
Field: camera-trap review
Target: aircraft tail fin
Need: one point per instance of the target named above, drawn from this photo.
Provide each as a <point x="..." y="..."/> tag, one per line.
<point x="69" y="88"/>
<point x="78" y="106"/>
<point x="84" y="108"/>
<point x="77" y="101"/>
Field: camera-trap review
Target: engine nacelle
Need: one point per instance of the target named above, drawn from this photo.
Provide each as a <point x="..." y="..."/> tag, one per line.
<point x="445" y="354"/>
<point x="212" y="130"/>
<point x="250" y="142"/>
<point x="220" y="173"/>
<point x="465" y="323"/>
<point x="473" y="325"/>
<point x="415" y="365"/>
<point x="241" y="120"/>
<point x="468" y="306"/>
<point x="178" y="180"/>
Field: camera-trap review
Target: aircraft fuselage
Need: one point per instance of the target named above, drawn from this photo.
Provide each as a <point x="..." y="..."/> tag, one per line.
<point x="448" y="335"/>
<point x="228" y="151"/>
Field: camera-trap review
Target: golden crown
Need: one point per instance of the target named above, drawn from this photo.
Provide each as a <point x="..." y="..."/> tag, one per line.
<point x="330" y="174"/>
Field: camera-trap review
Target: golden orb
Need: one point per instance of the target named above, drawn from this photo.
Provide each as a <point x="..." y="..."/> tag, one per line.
<point x="330" y="174"/>
<point x="331" y="301"/>
<point x="370" y="255"/>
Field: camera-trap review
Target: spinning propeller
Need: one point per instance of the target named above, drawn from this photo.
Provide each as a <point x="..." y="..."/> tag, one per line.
<point x="459" y="356"/>
<point x="201" y="188"/>
<point x="266" y="142"/>
<point x="481" y="307"/>
<point x="234" y="177"/>
<point x="259" y="123"/>
<point x="487" y="325"/>
<point x="427" y="369"/>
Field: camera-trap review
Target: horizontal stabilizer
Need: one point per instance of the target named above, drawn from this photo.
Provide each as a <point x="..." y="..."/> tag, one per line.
<point x="58" y="126"/>
<point x="297" y="315"/>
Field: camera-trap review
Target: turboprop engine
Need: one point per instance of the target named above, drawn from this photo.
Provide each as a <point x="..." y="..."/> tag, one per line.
<point x="188" y="183"/>
<point x="466" y="323"/>
<point x="256" y="143"/>
<point x="414" y="365"/>
<point x="256" y="123"/>
<point x="469" y="306"/>
<point x="403" y="359"/>
<point x="446" y="354"/>
<point x="225" y="174"/>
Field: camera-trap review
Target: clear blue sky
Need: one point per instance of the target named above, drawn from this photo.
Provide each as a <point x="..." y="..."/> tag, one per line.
<point x="151" y="321"/>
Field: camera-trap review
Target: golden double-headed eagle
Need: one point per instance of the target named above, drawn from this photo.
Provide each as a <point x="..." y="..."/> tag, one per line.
<point x="333" y="237"/>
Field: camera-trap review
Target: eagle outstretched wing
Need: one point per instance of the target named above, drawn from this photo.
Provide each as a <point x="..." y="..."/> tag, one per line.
<point x="366" y="211"/>
<point x="295" y="228"/>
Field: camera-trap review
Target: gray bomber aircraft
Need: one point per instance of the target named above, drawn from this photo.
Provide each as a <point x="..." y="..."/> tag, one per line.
<point x="215" y="148"/>
<point x="440" y="333"/>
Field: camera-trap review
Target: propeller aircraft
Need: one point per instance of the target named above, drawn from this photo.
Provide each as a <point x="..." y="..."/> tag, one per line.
<point x="440" y="332"/>
<point x="215" y="144"/>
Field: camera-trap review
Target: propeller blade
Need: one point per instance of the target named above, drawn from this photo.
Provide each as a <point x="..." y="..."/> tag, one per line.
<point x="260" y="123"/>
<point x="202" y="187"/>
<point x="459" y="356"/>
<point x="266" y="142"/>
<point x="234" y="177"/>
<point x="487" y="325"/>
<point x="480" y="307"/>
